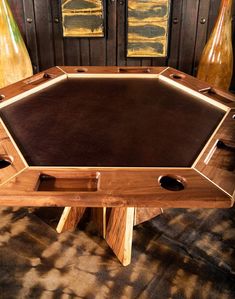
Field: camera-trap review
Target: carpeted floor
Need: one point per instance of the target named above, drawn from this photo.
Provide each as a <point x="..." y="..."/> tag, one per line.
<point x="180" y="254"/>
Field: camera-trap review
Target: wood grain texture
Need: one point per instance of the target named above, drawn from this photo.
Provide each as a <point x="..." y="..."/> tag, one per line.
<point x="83" y="18"/>
<point x="31" y="35"/>
<point x="145" y="214"/>
<point x="188" y="35"/>
<point x="76" y="70"/>
<point x="204" y="88"/>
<point x="218" y="164"/>
<point x="147" y="28"/>
<point x="111" y="39"/>
<point x="31" y="84"/>
<point x="72" y="51"/>
<point x="121" y="33"/>
<point x="9" y="152"/>
<point x="69" y="219"/>
<point x="57" y="33"/>
<point x="202" y="23"/>
<point x="119" y="233"/>
<point x="43" y="20"/>
<point x="99" y="218"/>
<point x="117" y="188"/>
<point x="175" y="33"/>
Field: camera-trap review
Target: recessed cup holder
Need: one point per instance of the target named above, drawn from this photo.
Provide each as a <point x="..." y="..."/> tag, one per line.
<point x="82" y="70"/>
<point x="172" y="182"/>
<point x="5" y="161"/>
<point x="2" y="97"/>
<point x="177" y="76"/>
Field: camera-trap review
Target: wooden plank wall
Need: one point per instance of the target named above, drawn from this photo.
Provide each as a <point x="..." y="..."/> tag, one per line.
<point x="40" y="22"/>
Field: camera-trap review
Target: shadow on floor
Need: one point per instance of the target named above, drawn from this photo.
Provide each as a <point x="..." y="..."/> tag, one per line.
<point x="179" y="254"/>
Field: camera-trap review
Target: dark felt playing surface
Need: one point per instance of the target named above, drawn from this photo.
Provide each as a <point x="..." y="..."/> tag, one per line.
<point x="111" y="122"/>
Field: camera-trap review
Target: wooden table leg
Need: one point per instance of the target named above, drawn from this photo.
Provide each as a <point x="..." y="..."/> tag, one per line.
<point x="119" y="233"/>
<point x="69" y="219"/>
<point x="145" y="214"/>
<point x="116" y="226"/>
<point x="99" y="218"/>
<point x="60" y="219"/>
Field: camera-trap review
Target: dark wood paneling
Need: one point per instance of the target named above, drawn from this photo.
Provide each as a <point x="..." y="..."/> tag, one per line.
<point x="57" y="33"/>
<point x="111" y="33"/>
<point x="30" y="32"/>
<point x="71" y="51"/>
<point x="47" y="46"/>
<point x="188" y="35"/>
<point x="121" y="32"/>
<point x="176" y="24"/>
<point x="85" y="51"/>
<point x="202" y="23"/>
<point x="43" y="21"/>
<point x="97" y="51"/>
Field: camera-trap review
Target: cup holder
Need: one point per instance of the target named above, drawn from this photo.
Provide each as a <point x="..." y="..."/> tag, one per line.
<point x="2" y="97"/>
<point x="5" y="161"/>
<point x="82" y="70"/>
<point x="177" y="76"/>
<point x="172" y="183"/>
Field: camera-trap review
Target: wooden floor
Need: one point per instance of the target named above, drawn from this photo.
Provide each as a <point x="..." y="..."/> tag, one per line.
<point x="180" y="254"/>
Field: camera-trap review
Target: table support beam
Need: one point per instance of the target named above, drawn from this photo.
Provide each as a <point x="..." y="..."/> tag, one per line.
<point x="145" y="214"/>
<point x="119" y="233"/>
<point x="69" y="219"/>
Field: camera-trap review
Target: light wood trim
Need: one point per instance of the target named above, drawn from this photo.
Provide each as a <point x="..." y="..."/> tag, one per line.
<point x="103" y="168"/>
<point x="106" y="69"/>
<point x="222" y="97"/>
<point x="27" y="84"/>
<point x="214" y="163"/>
<point x="31" y="91"/>
<point x="14" y="144"/>
<point x="211" y="138"/>
<point x="194" y="93"/>
<point x="113" y="76"/>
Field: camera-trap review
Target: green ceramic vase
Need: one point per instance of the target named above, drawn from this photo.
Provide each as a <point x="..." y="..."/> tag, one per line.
<point x="15" y="62"/>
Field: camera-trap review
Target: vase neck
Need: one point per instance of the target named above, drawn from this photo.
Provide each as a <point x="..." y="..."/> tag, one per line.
<point x="224" y="17"/>
<point x="3" y="3"/>
<point x="4" y="8"/>
<point x="226" y="3"/>
<point x="225" y="8"/>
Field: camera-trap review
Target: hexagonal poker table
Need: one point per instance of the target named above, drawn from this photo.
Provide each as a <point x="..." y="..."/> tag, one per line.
<point x="123" y="141"/>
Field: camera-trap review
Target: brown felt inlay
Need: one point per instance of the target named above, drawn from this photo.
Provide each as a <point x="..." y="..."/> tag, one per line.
<point x="111" y="122"/>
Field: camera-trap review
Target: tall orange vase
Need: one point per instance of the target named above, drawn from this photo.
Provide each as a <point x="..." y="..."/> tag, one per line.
<point x="15" y="63"/>
<point x="216" y="63"/>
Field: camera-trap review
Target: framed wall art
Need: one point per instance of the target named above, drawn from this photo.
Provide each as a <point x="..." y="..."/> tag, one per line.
<point x="83" y="18"/>
<point x="147" y="28"/>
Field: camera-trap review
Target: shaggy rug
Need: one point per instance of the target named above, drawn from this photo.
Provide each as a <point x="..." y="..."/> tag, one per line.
<point x="179" y="254"/>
